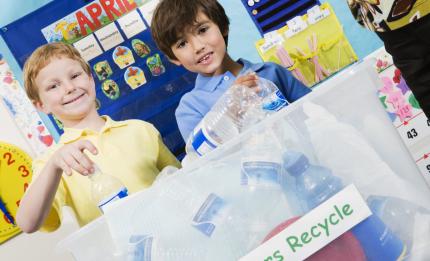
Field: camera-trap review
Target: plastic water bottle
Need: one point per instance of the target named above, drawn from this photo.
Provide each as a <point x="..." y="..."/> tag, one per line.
<point x="316" y="184"/>
<point x="226" y="229"/>
<point x="273" y="99"/>
<point x="261" y="181"/>
<point x="239" y="106"/>
<point x="166" y="248"/>
<point x="398" y="214"/>
<point x="204" y="223"/>
<point x="105" y="188"/>
<point x="224" y="120"/>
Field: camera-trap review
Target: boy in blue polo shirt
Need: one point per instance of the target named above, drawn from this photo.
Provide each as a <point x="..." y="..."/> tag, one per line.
<point x="194" y="34"/>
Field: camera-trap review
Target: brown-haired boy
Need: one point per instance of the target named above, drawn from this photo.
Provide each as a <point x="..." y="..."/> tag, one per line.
<point x="194" y="34"/>
<point x="59" y="81"/>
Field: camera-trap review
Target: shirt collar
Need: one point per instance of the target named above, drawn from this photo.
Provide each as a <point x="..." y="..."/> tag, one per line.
<point x="247" y="65"/>
<point x="210" y="83"/>
<point x="71" y="134"/>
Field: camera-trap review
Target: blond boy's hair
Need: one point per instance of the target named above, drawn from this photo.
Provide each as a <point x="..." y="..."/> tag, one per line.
<point x="41" y="57"/>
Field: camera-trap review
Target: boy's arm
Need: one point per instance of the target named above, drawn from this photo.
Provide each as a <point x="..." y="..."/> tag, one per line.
<point x="292" y="88"/>
<point x="37" y="201"/>
<point x="187" y="118"/>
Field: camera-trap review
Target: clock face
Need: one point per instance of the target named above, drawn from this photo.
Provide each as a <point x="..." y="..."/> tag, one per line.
<point x="15" y="176"/>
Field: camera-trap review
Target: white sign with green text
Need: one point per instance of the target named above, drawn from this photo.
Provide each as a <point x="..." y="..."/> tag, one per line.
<point x="316" y="229"/>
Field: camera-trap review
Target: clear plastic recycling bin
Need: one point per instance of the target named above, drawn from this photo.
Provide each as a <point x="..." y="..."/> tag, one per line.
<point x="287" y="172"/>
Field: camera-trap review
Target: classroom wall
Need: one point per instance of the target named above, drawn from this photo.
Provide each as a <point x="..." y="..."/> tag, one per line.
<point x="37" y="246"/>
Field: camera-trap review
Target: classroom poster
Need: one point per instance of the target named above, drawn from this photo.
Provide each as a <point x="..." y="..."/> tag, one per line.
<point x="22" y="111"/>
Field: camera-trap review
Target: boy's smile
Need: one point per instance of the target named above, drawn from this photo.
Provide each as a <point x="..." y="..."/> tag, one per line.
<point x="201" y="48"/>
<point x="65" y="90"/>
<point x="206" y="59"/>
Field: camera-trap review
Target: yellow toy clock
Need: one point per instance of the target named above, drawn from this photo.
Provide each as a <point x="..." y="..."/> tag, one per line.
<point x="15" y="176"/>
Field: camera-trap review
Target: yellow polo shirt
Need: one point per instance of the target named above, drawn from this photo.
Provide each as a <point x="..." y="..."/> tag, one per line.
<point x="130" y="150"/>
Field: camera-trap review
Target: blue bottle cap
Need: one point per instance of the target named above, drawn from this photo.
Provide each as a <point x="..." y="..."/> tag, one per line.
<point x="295" y="162"/>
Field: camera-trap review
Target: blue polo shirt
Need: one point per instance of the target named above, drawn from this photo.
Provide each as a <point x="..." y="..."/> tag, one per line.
<point x="207" y="90"/>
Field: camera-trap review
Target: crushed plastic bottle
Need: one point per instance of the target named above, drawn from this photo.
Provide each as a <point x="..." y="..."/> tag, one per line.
<point x="105" y="188"/>
<point x="238" y="107"/>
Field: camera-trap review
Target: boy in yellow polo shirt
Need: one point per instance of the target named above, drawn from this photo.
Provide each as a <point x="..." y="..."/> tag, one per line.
<point x="59" y="81"/>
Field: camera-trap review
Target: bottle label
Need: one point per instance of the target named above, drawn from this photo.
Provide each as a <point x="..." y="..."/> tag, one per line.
<point x="275" y="101"/>
<point x="260" y="173"/>
<point x="202" y="141"/>
<point x="210" y="213"/>
<point x="140" y="248"/>
<point x="123" y="192"/>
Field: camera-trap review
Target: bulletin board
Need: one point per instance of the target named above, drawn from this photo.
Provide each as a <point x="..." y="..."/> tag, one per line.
<point x="269" y="15"/>
<point x="134" y="80"/>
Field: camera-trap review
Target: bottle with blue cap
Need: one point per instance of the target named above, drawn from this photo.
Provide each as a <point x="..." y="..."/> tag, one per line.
<point x="236" y="109"/>
<point x="224" y="120"/>
<point x="315" y="184"/>
<point x="399" y="214"/>
<point x="261" y="181"/>
<point x="105" y="188"/>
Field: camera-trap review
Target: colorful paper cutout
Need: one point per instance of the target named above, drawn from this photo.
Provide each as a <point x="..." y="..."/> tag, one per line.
<point x="134" y="77"/>
<point x="155" y="65"/>
<point x="140" y="47"/>
<point x="122" y="56"/>
<point x="102" y="70"/>
<point x="110" y="89"/>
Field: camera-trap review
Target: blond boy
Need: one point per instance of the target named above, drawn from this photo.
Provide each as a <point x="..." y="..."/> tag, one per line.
<point x="59" y="81"/>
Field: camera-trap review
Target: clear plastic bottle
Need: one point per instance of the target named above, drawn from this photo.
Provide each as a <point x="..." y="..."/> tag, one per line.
<point x="207" y="220"/>
<point x="261" y="185"/>
<point x="316" y="184"/>
<point x="238" y="107"/>
<point x="224" y="120"/>
<point x="398" y="214"/>
<point x="105" y="188"/>
<point x="165" y="248"/>
<point x="273" y="99"/>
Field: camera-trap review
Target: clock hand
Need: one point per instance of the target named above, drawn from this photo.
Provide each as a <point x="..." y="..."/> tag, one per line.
<point x="7" y="214"/>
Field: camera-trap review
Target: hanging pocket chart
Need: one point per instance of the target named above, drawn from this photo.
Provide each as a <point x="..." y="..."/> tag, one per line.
<point x="312" y="46"/>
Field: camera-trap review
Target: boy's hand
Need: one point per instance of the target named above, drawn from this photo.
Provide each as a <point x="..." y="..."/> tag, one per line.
<point x="72" y="156"/>
<point x="249" y="80"/>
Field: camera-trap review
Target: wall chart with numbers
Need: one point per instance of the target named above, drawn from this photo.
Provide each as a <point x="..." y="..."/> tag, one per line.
<point x="133" y="78"/>
<point x="404" y="111"/>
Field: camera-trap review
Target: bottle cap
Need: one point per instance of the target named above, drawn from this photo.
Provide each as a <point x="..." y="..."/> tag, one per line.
<point x="295" y="162"/>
